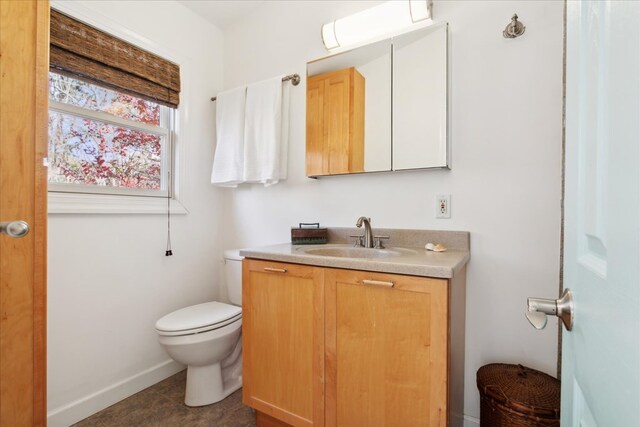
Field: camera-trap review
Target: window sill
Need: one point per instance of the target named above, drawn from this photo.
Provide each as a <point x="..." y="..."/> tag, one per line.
<point x="74" y="203"/>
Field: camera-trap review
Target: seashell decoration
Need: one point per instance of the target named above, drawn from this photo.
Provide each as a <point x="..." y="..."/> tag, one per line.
<point x="440" y="248"/>
<point x="435" y="248"/>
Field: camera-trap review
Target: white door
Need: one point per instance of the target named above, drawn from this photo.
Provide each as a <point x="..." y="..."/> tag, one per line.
<point x="601" y="355"/>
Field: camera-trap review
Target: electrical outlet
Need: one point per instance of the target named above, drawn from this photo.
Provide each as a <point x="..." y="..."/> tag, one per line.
<point x="443" y="206"/>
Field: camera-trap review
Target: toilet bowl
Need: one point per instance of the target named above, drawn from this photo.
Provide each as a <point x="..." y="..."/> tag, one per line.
<point x="206" y="338"/>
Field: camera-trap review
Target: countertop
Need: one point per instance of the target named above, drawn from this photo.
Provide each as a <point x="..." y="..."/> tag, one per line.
<point x="415" y="261"/>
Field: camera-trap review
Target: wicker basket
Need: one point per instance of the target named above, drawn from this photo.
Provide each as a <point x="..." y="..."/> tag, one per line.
<point x="517" y="396"/>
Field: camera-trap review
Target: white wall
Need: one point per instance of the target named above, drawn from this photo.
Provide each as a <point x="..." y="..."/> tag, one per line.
<point x="109" y="280"/>
<point x="506" y="123"/>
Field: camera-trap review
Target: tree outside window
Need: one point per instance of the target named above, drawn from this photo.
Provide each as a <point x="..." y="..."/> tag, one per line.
<point x="101" y="138"/>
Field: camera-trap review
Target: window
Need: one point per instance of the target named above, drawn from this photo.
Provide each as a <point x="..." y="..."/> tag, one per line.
<point x="112" y="108"/>
<point x="105" y="141"/>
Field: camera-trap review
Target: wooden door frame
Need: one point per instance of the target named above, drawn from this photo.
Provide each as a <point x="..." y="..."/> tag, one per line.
<point x="40" y="215"/>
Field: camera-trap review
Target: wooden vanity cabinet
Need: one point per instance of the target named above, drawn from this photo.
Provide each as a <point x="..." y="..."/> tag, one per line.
<point x="283" y="342"/>
<point x="385" y="349"/>
<point x="347" y="348"/>
<point x="335" y="123"/>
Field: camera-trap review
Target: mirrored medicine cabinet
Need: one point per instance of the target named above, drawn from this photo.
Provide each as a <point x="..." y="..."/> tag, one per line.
<point x="379" y="107"/>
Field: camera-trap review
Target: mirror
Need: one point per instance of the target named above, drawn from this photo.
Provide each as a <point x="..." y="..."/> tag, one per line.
<point x="420" y="99"/>
<point x="380" y="107"/>
<point x="349" y="111"/>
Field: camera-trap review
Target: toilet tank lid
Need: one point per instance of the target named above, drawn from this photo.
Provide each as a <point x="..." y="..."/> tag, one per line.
<point x="197" y="316"/>
<point x="233" y="254"/>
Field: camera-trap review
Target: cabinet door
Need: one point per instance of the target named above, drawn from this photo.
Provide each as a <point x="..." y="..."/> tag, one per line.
<point x="335" y="123"/>
<point x="317" y="162"/>
<point x="337" y="119"/>
<point x="386" y="350"/>
<point x="283" y="341"/>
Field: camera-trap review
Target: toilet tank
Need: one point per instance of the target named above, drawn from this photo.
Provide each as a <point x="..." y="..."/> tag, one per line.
<point x="233" y="275"/>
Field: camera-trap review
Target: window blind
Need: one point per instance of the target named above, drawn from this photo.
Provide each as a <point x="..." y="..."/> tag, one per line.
<point x="81" y="51"/>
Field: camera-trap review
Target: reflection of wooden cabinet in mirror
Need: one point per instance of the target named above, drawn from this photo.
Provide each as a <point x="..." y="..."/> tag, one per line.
<point x="335" y="123"/>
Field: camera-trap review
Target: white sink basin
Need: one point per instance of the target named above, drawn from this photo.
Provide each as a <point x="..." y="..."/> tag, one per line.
<point x="347" y="251"/>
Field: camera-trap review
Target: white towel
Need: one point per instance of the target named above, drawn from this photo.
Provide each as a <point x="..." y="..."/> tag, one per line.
<point x="284" y="135"/>
<point x="266" y="132"/>
<point x="228" y="163"/>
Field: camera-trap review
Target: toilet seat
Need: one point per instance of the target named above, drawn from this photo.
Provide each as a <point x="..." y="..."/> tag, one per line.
<point x="198" y="319"/>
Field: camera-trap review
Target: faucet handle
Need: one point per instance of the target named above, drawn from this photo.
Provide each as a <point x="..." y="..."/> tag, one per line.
<point x="358" y="242"/>
<point x="377" y="241"/>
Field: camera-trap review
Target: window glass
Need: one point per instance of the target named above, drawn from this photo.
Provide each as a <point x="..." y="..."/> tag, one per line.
<point x="104" y="141"/>
<point x="68" y="90"/>
<point x="84" y="151"/>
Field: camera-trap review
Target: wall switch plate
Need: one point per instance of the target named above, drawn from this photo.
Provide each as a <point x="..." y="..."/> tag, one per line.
<point x="443" y="206"/>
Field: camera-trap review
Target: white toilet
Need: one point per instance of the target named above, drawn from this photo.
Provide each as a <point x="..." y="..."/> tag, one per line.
<point x="206" y="338"/>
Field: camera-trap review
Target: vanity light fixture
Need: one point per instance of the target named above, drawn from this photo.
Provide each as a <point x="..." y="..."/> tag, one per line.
<point x="384" y="20"/>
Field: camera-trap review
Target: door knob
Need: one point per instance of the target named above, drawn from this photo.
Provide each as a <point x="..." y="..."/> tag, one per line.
<point x="15" y="229"/>
<point x="539" y="308"/>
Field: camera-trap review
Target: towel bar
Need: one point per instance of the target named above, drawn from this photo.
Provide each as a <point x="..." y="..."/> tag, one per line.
<point x="295" y="80"/>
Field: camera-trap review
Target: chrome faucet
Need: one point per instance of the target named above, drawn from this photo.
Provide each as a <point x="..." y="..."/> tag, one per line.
<point x="368" y="235"/>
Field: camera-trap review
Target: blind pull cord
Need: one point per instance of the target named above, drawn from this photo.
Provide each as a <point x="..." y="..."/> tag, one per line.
<point x="168" y="252"/>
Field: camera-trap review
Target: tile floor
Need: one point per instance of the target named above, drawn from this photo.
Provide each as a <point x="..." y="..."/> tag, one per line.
<point x="163" y="405"/>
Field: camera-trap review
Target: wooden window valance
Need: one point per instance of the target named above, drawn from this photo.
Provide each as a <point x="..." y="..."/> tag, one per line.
<point x="81" y="51"/>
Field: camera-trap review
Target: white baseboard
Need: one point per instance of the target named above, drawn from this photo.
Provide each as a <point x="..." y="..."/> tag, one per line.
<point x="470" y="421"/>
<point x="461" y="420"/>
<point x="82" y="408"/>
